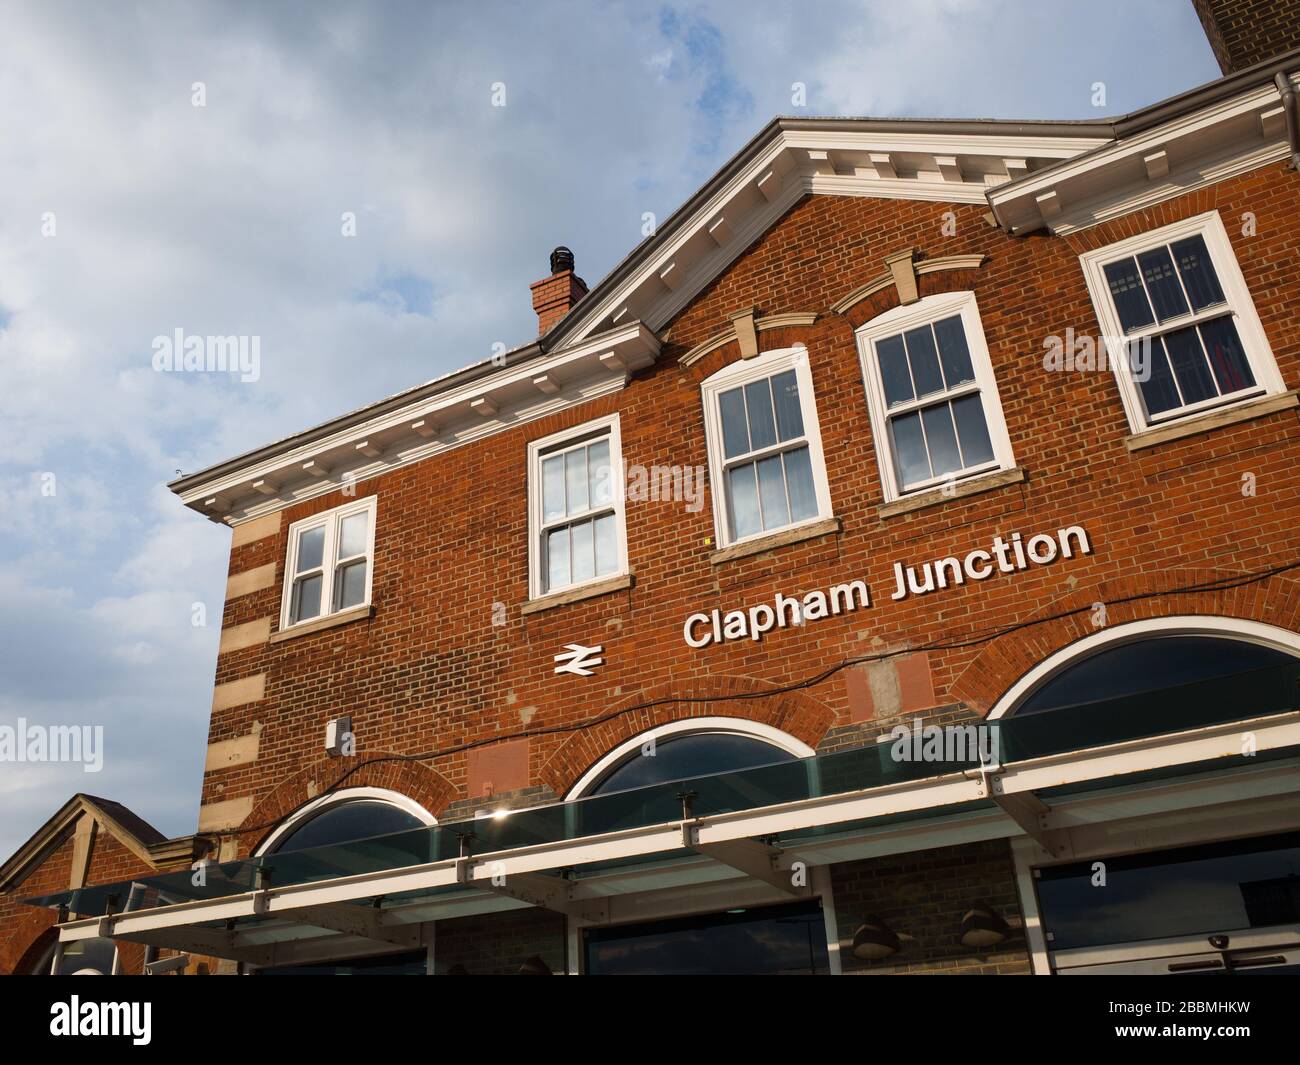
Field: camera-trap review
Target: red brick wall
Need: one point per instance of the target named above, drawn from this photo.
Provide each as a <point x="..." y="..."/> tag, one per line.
<point x="430" y="671"/>
<point x="1245" y="32"/>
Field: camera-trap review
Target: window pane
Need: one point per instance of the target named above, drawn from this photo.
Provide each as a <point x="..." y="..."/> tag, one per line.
<point x="553" y="488"/>
<point x="953" y="352"/>
<point x="1227" y="358"/>
<point x="582" y="551"/>
<point x="789" y="415"/>
<point x="893" y="370"/>
<point x="924" y="359"/>
<point x="306" y="599"/>
<point x="771" y="490"/>
<point x="735" y="435"/>
<point x="1188" y="361"/>
<point x="600" y="474"/>
<point x="799" y="483"/>
<point x="909" y="449"/>
<point x="972" y="430"/>
<point x="557" y="558"/>
<point x="575" y="480"/>
<point x="1162" y="283"/>
<point x="1126" y="290"/>
<point x="352" y="586"/>
<point x="762" y="426"/>
<point x="311" y="546"/>
<point x="1197" y="271"/>
<point x="352" y="535"/>
<point x="742" y="495"/>
<point x="942" y="438"/>
<point x="606" y="545"/>
<point x="1158" y="391"/>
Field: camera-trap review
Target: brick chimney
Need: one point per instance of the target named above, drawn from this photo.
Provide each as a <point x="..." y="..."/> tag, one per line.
<point x="554" y="295"/>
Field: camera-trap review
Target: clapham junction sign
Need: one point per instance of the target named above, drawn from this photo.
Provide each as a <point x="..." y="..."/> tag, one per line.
<point x="1009" y="555"/>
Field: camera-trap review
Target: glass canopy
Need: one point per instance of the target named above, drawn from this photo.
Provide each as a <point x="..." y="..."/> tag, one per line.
<point x="1251" y="693"/>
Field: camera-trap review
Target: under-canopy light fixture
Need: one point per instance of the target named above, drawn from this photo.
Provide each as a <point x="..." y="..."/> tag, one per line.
<point x="982" y="926"/>
<point x="534" y="966"/>
<point x="875" y="940"/>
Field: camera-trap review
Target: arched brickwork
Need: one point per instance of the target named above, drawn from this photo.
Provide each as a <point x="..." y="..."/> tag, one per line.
<point x="415" y="780"/>
<point x="796" y="713"/>
<point x="1275" y="601"/>
<point x="948" y="280"/>
<point x="30" y="933"/>
<point x="33" y="934"/>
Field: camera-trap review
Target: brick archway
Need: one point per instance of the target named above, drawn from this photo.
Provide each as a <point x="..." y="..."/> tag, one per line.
<point x="796" y="713"/>
<point x="415" y="780"/>
<point x="31" y="934"/>
<point x="1275" y="601"/>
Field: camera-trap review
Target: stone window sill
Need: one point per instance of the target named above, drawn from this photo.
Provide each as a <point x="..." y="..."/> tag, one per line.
<point x="1210" y="420"/>
<point x="344" y="617"/>
<point x="960" y="490"/>
<point x="576" y="595"/>
<point x="811" y="531"/>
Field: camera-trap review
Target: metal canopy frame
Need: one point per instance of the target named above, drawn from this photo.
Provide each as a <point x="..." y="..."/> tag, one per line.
<point x="347" y="916"/>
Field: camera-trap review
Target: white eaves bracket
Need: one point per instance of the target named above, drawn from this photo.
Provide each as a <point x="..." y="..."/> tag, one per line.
<point x="1025" y="808"/>
<point x="757" y="860"/>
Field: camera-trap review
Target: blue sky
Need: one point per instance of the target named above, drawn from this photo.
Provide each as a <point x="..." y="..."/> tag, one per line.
<point x="226" y="219"/>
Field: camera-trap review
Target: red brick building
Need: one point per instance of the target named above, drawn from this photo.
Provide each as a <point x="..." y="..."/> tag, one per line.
<point x="891" y="566"/>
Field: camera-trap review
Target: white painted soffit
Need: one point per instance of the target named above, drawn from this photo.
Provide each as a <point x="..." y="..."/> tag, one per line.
<point x="1211" y="144"/>
<point x="307" y="466"/>
<point x="836" y="160"/>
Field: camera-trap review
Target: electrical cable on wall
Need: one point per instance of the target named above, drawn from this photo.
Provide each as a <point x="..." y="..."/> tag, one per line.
<point x="1219" y="585"/>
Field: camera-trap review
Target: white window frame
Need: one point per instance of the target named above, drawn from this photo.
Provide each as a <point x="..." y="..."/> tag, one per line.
<point x="558" y="443"/>
<point x="330" y="520"/>
<point x="900" y="319"/>
<point x="1268" y="379"/>
<point x="692" y="726"/>
<point x="744" y="372"/>
<point x="342" y="797"/>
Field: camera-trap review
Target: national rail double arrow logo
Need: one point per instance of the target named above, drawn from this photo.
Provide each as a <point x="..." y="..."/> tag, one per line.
<point x="577" y="659"/>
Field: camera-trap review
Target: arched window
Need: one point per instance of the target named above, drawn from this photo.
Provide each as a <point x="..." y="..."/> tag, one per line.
<point x="347" y="821"/>
<point x="345" y="816"/>
<point x="1148" y="678"/>
<point x="684" y="750"/>
<point x="350" y="816"/>
<point x="693" y="755"/>
<point x="1186" y="664"/>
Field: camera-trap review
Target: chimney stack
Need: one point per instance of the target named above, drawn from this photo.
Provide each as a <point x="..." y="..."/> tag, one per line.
<point x="554" y="295"/>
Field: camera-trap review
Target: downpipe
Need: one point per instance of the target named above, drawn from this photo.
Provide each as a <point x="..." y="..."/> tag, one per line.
<point x="1287" y="92"/>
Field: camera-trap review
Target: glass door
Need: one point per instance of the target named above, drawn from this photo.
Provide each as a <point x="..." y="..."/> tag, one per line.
<point x="1231" y="907"/>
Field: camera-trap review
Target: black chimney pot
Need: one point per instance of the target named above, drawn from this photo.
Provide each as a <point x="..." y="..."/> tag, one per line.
<point x="561" y="259"/>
